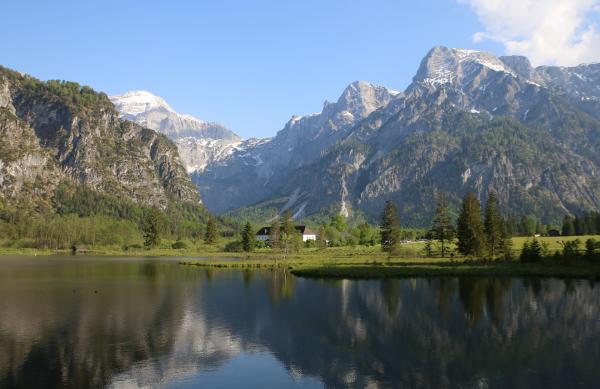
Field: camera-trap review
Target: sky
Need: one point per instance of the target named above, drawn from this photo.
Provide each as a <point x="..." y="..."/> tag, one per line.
<point x="251" y="65"/>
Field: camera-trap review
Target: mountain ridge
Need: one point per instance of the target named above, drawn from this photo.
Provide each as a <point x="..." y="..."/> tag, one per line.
<point x="356" y="165"/>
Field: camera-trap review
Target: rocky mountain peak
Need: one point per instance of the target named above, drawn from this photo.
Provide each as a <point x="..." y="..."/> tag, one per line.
<point x="443" y="65"/>
<point x="520" y="65"/>
<point x="139" y="101"/>
<point x="360" y="98"/>
<point x="149" y="110"/>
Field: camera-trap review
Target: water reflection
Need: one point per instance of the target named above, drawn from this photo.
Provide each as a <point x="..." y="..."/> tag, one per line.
<point x="105" y="323"/>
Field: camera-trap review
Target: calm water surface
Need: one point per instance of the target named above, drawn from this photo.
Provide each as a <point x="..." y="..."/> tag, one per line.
<point x="122" y="323"/>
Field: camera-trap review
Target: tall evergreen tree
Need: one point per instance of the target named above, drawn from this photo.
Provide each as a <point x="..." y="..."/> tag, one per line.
<point x="529" y="225"/>
<point x="152" y="228"/>
<point x="493" y="226"/>
<point x="470" y="234"/>
<point x="212" y="231"/>
<point x="579" y="225"/>
<point x="390" y="227"/>
<point x="568" y="227"/>
<point x="288" y="230"/>
<point x="248" y="238"/>
<point x="321" y="239"/>
<point x="288" y="223"/>
<point x="442" y="229"/>
<point x="275" y="238"/>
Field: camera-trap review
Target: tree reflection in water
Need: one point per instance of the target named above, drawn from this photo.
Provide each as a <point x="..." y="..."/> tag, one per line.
<point x="152" y="323"/>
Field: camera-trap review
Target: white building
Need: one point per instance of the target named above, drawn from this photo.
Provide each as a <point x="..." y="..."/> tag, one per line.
<point x="264" y="234"/>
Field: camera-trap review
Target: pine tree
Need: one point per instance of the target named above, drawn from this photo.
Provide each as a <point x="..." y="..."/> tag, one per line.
<point x="152" y="228"/>
<point x="568" y="227"/>
<point x="470" y="234"/>
<point x="212" y="232"/>
<point x="288" y="231"/>
<point x="248" y="238"/>
<point x="275" y="238"/>
<point x="579" y="225"/>
<point x="390" y="228"/>
<point x="493" y="226"/>
<point x="288" y="223"/>
<point x="321" y="239"/>
<point x="442" y="229"/>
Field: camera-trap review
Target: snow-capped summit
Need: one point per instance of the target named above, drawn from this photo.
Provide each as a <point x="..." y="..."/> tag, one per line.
<point x="199" y="142"/>
<point x="139" y="101"/>
<point x="154" y="112"/>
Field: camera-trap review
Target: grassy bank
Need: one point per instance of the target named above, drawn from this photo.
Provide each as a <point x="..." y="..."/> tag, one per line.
<point x="494" y="269"/>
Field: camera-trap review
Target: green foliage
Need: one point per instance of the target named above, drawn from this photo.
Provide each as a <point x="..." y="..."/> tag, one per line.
<point x="493" y="227"/>
<point x="152" y="229"/>
<point x="235" y="246"/>
<point x="529" y="225"/>
<point x="532" y="251"/>
<point x="390" y="228"/>
<point x="571" y="248"/>
<point x="212" y="231"/>
<point x="180" y="245"/>
<point x="288" y="223"/>
<point x="592" y="249"/>
<point x="63" y="231"/>
<point x="442" y="229"/>
<point x="321" y="242"/>
<point x="275" y="238"/>
<point x="367" y="236"/>
<point x="470" y="232"/>
<point x="248" y="238"/>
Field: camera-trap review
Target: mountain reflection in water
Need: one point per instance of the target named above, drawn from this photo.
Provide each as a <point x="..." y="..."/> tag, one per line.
<point x="74" y="323"/>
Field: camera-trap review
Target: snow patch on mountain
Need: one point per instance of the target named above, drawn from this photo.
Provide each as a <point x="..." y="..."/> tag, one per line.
<point x="199" y="143"/>
<point x="444" y="65"/>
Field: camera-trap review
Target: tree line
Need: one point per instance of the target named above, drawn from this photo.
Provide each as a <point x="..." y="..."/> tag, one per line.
<point x="477" y="234"/>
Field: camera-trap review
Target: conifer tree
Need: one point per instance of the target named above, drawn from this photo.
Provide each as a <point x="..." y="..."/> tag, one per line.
<point x="212" y="231"/>
<point x="275" y="237"/>
<point x="470" y="234"/>
<point x="152" y="228"/>
<point x="288" y="231"/>
<point x="288" y="223"/>
<point x="493" y="226"/>
<point x="248" y="238"/>
<point x="321" y="239"/>
<point x="390" y="227"/>
<point x="442" y="229"/>
<point x="568" y="227"/>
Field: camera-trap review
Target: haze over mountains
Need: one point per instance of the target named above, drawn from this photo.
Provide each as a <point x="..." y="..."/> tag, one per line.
<point x="469" y="121"/>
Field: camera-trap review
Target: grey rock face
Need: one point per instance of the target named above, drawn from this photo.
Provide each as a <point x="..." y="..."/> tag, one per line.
<point x="199" y="142"/>
<point x="78" y="136"/>
<point x="469" y="122"/>
<point x="257" y="170"/>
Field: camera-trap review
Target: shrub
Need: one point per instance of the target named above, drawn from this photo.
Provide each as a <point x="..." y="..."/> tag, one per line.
<point x="234" y="247"/>
<point x="180" y="245"/>
<point x="532" y="251"/>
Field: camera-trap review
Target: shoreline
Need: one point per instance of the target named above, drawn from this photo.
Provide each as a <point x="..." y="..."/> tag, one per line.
<point x="400" y="268"/>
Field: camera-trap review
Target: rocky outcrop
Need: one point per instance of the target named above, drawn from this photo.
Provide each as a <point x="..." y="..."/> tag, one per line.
<point x="69" y="132"/>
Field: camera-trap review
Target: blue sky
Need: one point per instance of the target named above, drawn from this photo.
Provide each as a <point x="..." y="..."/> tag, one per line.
<point x="250" y="65"/>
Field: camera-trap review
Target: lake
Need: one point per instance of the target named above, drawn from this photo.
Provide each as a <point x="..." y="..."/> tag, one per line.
<point x="127" y="323"/>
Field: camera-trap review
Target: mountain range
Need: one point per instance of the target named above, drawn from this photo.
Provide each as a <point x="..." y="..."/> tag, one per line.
<point x="469" y="121"/>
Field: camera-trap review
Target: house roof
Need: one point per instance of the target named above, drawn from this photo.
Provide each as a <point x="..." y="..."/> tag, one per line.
<point x="304" y="230"/>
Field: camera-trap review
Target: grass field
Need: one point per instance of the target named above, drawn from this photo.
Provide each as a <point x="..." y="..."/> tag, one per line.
<point x="370" y="262"/>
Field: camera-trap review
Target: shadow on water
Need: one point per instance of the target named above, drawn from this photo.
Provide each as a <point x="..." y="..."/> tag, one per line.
<point x="101" y="323"/>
